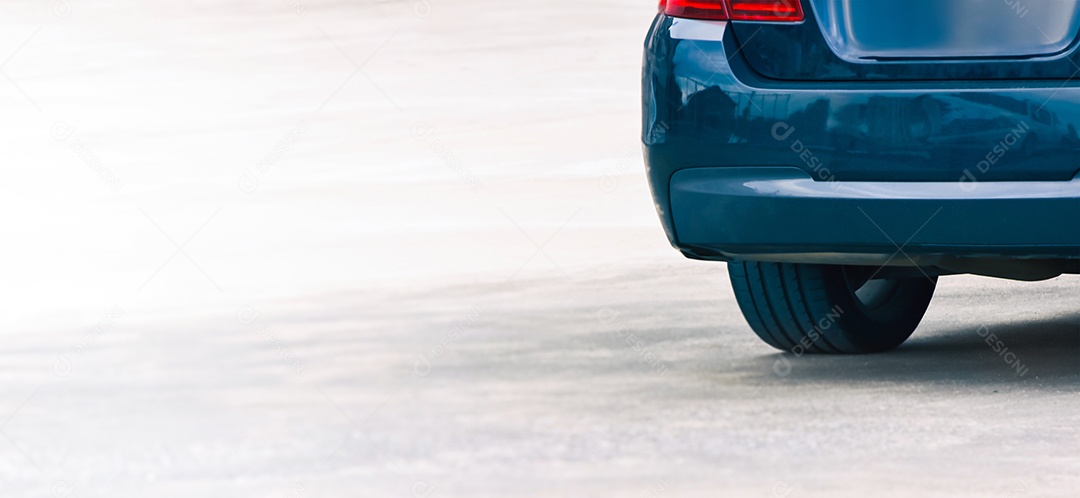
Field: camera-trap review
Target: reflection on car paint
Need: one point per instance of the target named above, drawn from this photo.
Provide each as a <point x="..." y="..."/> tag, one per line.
<point x="941" y="135"/>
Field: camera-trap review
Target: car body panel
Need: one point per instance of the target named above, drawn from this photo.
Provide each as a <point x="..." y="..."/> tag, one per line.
<point x="704" y="106"/>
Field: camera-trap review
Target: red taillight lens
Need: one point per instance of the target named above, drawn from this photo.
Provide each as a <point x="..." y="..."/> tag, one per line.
<point x="766" y="10"/>
<point x="697" y="9"/>
<point x="736" y="10"/>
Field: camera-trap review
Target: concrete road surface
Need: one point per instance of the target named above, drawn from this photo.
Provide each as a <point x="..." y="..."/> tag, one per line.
<point x="311" y="248"/>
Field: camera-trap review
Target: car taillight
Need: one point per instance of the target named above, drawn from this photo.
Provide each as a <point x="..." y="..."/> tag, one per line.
<point x="735" y="10"/>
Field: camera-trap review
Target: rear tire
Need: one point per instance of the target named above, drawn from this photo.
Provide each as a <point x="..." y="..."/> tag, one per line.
<point x="828" y="309"/>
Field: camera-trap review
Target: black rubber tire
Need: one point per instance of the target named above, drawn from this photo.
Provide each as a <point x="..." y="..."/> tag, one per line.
<point x="804" y="308"/>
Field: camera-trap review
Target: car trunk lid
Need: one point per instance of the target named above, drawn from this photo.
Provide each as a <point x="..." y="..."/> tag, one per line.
<point x="918" y="40"/>
<point x="869" y="30"/>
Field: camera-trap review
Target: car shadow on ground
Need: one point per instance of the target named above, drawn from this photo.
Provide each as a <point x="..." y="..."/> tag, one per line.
<point x="1043" y="353"/>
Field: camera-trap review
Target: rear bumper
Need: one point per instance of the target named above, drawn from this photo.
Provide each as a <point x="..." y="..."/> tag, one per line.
<point x="743" y="166"/>
<point x="782" y="214"/>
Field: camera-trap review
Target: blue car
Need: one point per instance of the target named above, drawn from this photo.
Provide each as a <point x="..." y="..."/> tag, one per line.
<point x="842" y="155"/>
